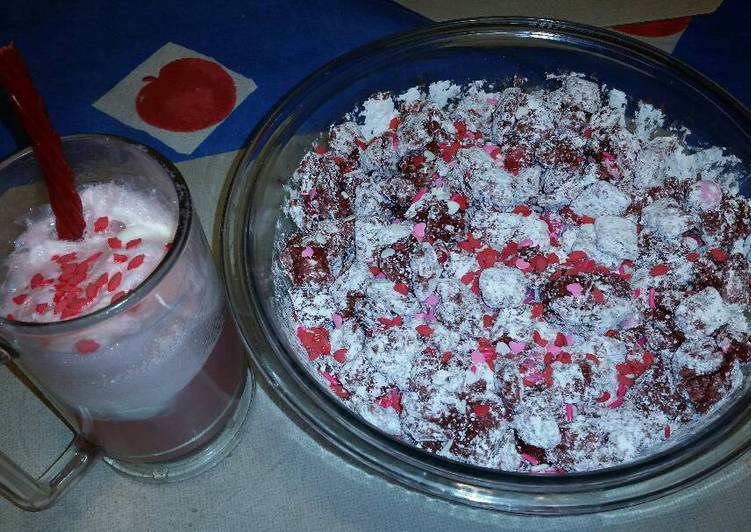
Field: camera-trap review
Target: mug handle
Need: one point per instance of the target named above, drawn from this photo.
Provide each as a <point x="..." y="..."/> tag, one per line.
<point x="31" y="494"/>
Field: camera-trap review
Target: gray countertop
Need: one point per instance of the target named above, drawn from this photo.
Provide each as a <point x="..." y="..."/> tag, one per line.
<point x="279" y="478"/>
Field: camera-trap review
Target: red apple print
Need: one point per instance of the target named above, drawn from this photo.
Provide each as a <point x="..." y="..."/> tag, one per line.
<point x="189" y="94"/>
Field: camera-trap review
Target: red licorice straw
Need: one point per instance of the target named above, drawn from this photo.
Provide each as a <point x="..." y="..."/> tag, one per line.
<point x="64" y="200"/>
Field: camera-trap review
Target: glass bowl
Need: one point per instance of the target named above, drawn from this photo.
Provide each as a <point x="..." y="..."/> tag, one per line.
<point x="494" y="49"/>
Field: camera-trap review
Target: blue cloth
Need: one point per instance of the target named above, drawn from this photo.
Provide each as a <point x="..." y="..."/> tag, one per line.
<point x="78" y="50"/>
<point x="719" y="44"/>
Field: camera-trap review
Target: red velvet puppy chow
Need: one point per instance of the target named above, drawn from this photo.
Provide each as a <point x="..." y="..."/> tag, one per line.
<point x="519" y="278"/>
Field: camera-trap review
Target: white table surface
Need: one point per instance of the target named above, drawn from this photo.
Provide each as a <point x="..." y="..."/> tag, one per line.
<point x="280" y="479"/>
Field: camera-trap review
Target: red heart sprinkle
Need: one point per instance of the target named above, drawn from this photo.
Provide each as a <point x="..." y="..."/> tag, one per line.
<point x="718" y="254"/>
<point x="658" y="270"/>
<point x="604" y="397"/>
<point x="117" y="297"/>
<point x="560" y="339"/>
<point x="101" y="280"/>
<point x="136" y="261"/>
<point x="449" y="152"/>
<point x="117" y="257"/>
<point x="361" y="144"/>
<point x="340" y="391"/>
<point x="86" y="346"/>
<point x="461" y="200"/>
<point x="538" y="339"/>
<point x="20" y="299"/>
<point x="537" y="310"/>
<point x="101" y="223"/>
<point x="114" y="282"/>
<point x="592" y="358"/>
<point x="692" y="257"/>
<point x="91" y="290"/>
<point x="388" y="323"/>
<point x="320" y="150"/>
<point x="114" y="243"/>
<point x="487" y="258"/>
<point x="401" y="288"/>
<point x="598" y="296"/>
<point x="41" y="308"/>
<point x="577" y="255"/>
<point x="133" y="243"/>
<point x="394" y="122"/>
<point x="481" y="410"/>
<point x="315" y="341"/>
<point x="468" y="277"/>
<point x="36" y="281"/>
<point x="424" y="330"/>
<point x="340" y="355"/>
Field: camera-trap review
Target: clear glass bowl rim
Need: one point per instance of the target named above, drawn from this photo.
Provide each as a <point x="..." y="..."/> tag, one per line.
<point x="339" y="429"/>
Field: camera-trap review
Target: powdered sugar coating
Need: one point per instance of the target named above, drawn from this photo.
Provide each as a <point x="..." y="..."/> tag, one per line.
<point x="526" y="279"/>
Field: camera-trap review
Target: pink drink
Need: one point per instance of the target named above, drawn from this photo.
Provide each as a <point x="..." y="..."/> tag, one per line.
<point x="160" y="372"/>
<point x="194" y="416"/>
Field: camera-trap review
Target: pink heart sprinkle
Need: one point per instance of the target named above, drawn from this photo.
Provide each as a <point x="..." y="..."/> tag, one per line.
<point x="329" y="378"/>
<point x="535" y="377"/>
<point x="553" y="349"/>
<point x="516" y="347"/>
<point x="615" y="404"/>
<point x="477" y="356"/>
<point x="575" y="289"/>
<point x="490" y="148"/>
<point x="525" y="243"/>
<point x="637" y="293"/>
<point x="432" y="300"/>
<point x="652" y="298"/>
<point x="419" y="195"/>
<point x="419" y="316"/>
<point x="419" y="231"/>
<point x="337" y="319"/>
<point x="569" y="412"/>
<point x="629" y="323"/>
<point x="439" y="182"/>
<point x="490" y="100"/>
<point x="710" y="193"/>
<point x="569" y="339"/>
<point x="521" y="264"/>
<point x="312" y="193"/>
<point x="473" y="368"/>
<point x="529" y="458"/>
<point x="307" y="252"/>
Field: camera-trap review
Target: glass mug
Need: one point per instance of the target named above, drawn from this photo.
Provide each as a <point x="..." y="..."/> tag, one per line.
<point x="165" y="396"/>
